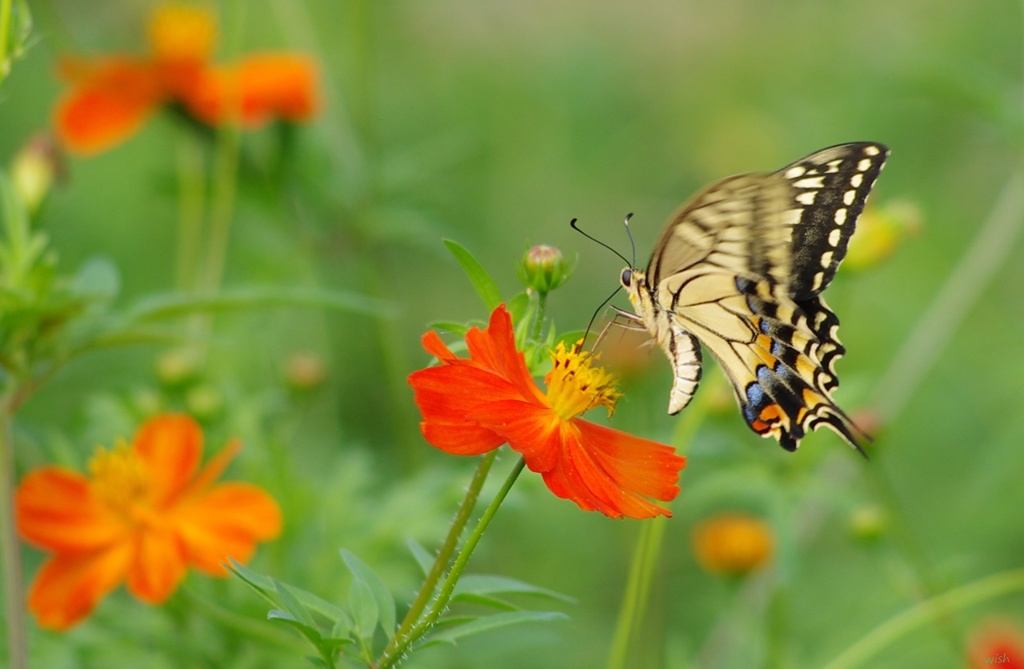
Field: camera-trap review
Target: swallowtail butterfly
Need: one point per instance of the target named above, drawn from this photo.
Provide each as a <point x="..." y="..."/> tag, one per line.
<point x="740" y="267"/>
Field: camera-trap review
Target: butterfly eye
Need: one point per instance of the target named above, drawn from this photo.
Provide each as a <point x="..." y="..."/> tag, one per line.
<point x="627" y="277"/>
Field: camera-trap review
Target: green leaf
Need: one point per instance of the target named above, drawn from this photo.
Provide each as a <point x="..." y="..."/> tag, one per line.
<point x="450" y="634"/>
<point x="265" y="584"/>
<point x="422" y="556"/>
<point x="459" y="329"/>
<point x="381" y="595"/>
<point x="365" y="613"/>
<point x="481" y="584"/>
<point x="517" y="306"/>
<point x="482" y="282"/>
<point x="310" y="632"/>
<point x="294" y="606"/>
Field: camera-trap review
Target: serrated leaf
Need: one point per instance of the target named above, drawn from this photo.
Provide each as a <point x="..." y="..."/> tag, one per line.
<point x="385" y="601"/>
<point x="482" y="282"/>
<point x="450" y="634"/>
<point x="363" y="606"/>
<point x="484" y="584"/>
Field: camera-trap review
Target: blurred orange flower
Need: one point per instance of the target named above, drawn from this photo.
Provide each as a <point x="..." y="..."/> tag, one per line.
<point x="144" y="515"/>
<point x="111" y="97"/>
<point x="732" y="543"/>
<point x="997" y="643"/>
<point x="473" y="405"/>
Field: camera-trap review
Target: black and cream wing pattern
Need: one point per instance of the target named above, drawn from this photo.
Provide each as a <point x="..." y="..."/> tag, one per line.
<point x="740" y="268"/>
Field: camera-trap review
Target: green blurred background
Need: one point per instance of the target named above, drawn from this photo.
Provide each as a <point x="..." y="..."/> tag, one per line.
<point x="494" y="123"/>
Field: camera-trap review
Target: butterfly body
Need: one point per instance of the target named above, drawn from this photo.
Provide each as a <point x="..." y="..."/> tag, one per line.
<point x="740" y="268"/>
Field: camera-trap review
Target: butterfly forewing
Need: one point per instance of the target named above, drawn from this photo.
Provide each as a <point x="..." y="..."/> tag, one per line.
<point x="830" y="189"/>
<point x="740" y="267"/>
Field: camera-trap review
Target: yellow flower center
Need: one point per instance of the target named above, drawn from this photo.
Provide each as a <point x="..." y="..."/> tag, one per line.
<point x="119" y="479"/>
<point x="574" y="385"/>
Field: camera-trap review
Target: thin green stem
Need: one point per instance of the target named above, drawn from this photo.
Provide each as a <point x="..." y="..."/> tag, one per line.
<point x="222" y="207"/>
<point x="5" y="32"/>
<point x="645" y="558"/>
<point x="191" y="189"/>
<point x="648" y="552"/>
<point x="444" y="555"/>
<point x="14" y="596"/>
<point x="925" y="613"/>
<point x="444" y="595"/>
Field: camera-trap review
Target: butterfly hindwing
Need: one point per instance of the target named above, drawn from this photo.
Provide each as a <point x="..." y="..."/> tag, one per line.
<point x="740" y="267"/>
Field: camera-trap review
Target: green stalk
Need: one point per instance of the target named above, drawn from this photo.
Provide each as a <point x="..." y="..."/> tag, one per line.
<point x="14" y="595"/>
<point x="5" y="33"/>
<point x="191" y="189"/>
<point x="925" y="613"/>
<point x="444" y="595"/>
<point x="444" y="555"/>
<point x="648" y="552"/>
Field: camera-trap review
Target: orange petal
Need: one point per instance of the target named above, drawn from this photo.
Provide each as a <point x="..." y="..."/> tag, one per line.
<point x="158" y="565"/>
<point x="228" y="521"/>
<point x="68" y="586"/>
<point x="256" y="90"/>
<point x="446" y="396"/>
<point x="109" y="103"/>
<point x="170" y="446"/>
<point x="56" y="510"/>
<point x="594" y="466"/>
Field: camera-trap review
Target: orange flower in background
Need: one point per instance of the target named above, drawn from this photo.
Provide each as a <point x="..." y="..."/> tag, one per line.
<point x="732" y="543"/>
<point x="473" y="405"/>
<point x="144" y="515"/>
<point x="997" y="643"/>
<point x="111" y="97"/>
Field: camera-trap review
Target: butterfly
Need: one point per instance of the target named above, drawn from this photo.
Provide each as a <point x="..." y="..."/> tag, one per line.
<point x="740" y="268"/>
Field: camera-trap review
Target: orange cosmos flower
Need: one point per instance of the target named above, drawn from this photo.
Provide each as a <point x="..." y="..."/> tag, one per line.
<point x="256" y="90"/>
<point x="732" y="543"/>
<point x="111" y="97"/>
<point x="145" y="514"/>
<point x="473" y="405"/>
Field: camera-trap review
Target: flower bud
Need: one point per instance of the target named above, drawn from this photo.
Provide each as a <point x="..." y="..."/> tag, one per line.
<point x="34" y="169"/>
<point x="304" y="371"/>
<point x="544" y="268"/>
<point x="868" y="523"/>
<point x="177" y="367"/>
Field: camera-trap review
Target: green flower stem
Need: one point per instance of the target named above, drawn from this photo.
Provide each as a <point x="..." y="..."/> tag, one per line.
<point x="444" y="555"/>
<point x="648" y="551"/>
<point x="5" y="32"/>
<point x="444" y="595"/>
<point x="925" y="613"/>
<point x="222" y="206"/>
<point x="14" y="596"/>
<point x="191" y="190"/>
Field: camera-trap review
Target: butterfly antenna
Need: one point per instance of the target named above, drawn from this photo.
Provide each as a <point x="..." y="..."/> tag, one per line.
<point x="575" y="227"/>
<point x="629" y="233"/>
<point x="593" y="318"/>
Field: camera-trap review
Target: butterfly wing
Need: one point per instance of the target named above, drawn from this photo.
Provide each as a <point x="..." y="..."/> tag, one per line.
<point x="741" y="266"/>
